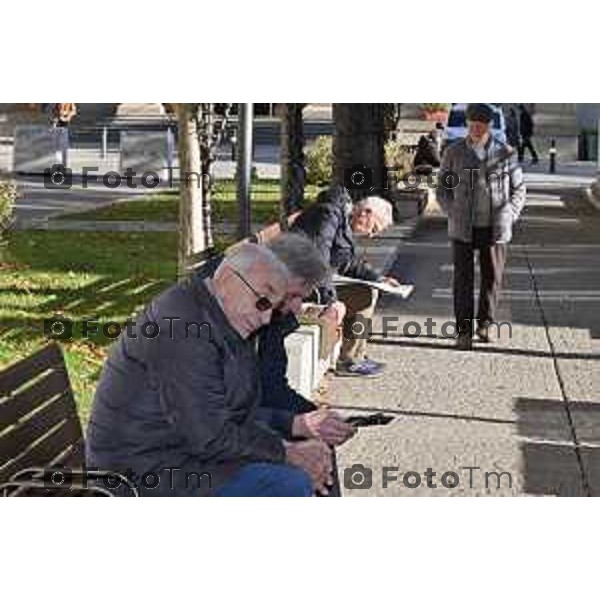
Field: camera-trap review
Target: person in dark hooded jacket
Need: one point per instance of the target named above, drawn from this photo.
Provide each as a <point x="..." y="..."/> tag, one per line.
<point x="427" y="156"/>
<point x="282" y="407"/>
<point x="527" y="128"/>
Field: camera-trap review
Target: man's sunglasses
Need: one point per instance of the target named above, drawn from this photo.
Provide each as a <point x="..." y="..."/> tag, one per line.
<point x="263" y="304"/>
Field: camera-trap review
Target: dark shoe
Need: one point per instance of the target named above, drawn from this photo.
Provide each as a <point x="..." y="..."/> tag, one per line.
<point x="364" y="368"/>
<point x="464" y="342"/>
<point x="483" y="333"/>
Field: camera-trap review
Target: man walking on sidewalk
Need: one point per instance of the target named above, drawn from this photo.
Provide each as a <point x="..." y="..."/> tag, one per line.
<point x="526" y="130"/>
<point x="481" y="189"/>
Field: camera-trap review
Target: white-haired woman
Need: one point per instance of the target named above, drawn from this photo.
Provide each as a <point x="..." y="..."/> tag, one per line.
<point x="330" y="223"/>
<point x="371" y="216"/>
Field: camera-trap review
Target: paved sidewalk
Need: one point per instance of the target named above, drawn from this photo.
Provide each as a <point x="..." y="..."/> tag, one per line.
<point x="568" y="175"/>
<point x="528" y="405"/>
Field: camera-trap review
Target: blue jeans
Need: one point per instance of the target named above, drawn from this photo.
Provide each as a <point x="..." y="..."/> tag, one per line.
<point x="268" y="480"/>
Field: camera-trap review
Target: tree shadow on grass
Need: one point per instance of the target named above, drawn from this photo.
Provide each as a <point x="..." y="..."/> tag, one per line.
<point x="105" y="301"/>
<point x="108" y="277"/>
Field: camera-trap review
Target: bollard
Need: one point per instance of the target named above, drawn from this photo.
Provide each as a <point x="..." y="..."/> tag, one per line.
<point x="553" y="156"/>
<point x="63" y="141"/>
<point x="170" y="148"/>
<point x="104" y="142"/>
<point x="233" y="141"/>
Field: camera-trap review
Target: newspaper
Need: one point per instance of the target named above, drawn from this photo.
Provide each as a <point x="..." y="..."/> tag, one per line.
<point x="404" y="290"/>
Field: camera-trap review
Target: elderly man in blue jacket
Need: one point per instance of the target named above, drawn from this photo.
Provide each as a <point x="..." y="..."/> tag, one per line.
<point x="177" y="405"/>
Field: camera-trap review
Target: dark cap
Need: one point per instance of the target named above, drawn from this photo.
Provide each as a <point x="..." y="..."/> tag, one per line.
<point x="480" y="112"/>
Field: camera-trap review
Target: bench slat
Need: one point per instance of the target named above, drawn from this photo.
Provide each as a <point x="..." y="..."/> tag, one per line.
<point x="14" y="408"/>
<point x="75" y="458"/>
<point x="15" y="376"/>
<point x="39" y="424"/>
<point x="15" y="441"/>
<point x="64" y="448"/>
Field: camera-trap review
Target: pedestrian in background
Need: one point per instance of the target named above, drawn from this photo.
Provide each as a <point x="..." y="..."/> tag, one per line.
<point x="526" y="127"/>
<point x="513" y="130"/>
<point x="61" y="115"/>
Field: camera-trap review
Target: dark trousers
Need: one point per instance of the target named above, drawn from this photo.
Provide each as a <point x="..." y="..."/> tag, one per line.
<point x="492" y="259"/>
<point x="527" y="144"/>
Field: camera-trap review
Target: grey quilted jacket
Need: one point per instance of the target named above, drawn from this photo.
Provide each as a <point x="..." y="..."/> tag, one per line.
<point x="464" y="180"/>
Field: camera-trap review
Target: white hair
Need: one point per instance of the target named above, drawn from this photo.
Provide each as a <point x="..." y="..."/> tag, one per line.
<point x="247" y="256"/>
<point x="382" y="210"/>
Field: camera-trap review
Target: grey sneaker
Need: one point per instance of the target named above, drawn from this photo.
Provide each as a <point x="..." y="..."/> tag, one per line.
<point x="376" y="363"/>
<point x="364" y="368"/>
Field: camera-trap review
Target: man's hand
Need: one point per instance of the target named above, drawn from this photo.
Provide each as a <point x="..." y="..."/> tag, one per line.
<point x="322" y="424"/>
<point x="314" y="457"/>
<point x="336" y="310"/>
<point x="391" y="281"/>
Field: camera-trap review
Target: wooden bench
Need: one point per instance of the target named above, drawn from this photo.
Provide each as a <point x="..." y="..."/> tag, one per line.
<point x="41" y="439"/>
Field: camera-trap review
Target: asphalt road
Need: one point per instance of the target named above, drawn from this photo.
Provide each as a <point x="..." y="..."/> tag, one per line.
<point x="37" y="202"/>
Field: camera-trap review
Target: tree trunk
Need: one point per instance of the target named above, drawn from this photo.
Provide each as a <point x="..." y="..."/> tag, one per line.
<point x="293" y="174"/>
<point x="359" y="140"/>
<point x="392" y="117"/>
<point x="207" y="156"/>
<point x="191" y="234"/>
<point x="244" y="168"/>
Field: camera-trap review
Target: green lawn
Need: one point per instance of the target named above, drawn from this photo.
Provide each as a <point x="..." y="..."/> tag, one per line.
<point x="105" y="275"/>
<point x="164" y="206"/>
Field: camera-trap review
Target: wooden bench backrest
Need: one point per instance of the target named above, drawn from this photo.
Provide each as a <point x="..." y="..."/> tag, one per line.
<point x="270" y="232"/>
<point x="264" y="236"/>
<point x="39" y="425"/>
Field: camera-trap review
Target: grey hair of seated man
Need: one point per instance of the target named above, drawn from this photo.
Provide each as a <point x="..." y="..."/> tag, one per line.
<point x="247" y="257"/>
<point x="381" y="209"/>
<point x="249" y="273"/>
<point x="300" y="256"/>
